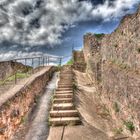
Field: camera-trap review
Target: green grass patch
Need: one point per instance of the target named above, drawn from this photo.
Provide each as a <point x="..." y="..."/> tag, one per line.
<point x="12" y="78"/>
<point x="70" y="62"/>
<point x="99" y="36"/>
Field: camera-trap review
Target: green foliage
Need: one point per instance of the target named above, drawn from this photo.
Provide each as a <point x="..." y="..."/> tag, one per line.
<point x="70" y="62"/>
<point x="99" y="35"/>
<point x="75" y="86"/>
<point x="116" y="107"/>
<point x="130" y="126"/>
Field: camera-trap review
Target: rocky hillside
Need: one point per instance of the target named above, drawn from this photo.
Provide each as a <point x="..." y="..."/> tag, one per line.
<point x="113" y="62"/>
<point x="8" y="68"/>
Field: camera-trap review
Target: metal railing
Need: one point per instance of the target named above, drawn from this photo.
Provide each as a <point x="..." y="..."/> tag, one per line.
<point x="24" y="67"/>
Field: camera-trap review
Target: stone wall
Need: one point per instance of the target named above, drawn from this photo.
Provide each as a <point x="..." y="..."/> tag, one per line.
<point x="79" y="61"/>
<point x="113" y="62"/>
<point x="14" y="111"/>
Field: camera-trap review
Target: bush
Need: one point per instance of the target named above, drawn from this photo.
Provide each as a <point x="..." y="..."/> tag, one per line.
<point x="99" y="35"/>
<point x="130" y="126"/>
<point x="70" y="62"/>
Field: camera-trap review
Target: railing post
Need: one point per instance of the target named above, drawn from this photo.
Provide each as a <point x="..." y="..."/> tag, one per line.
<point x="60" y="61"/>
<point x="26" y="66"/>
<point x="39" y="61"/>
<point x="15" y="74"/>
<point x="48" y="60"/>
<point x="32" y="65"/>
<point x="43" y="60"/>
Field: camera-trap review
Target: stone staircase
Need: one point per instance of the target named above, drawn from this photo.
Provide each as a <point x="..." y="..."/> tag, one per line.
<point x="63" y="111"/>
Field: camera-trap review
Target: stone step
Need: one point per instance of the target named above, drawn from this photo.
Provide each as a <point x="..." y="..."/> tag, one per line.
<point x="63" y="106"/>
<point x="69" y="95"/>
<point x="65" y="81"/>
<point x="66" y="77"/>
<point x="64" y="91"/>
<point x="64" y="121"/>
<point x="65" y="85"/>
<point x="64" y="113"/>
<point x="62" y="100"/>
<point x="66" y="73"/>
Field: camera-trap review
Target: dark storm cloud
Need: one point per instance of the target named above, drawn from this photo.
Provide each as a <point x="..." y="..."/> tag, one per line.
<point x="39" y="22"/>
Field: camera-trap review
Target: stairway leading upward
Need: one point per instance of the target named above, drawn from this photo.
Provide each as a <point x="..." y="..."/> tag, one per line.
<point x="63" y="111"/>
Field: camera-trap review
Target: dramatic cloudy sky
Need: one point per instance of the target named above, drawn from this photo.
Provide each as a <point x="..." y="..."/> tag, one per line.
<point x="33" y="27"/>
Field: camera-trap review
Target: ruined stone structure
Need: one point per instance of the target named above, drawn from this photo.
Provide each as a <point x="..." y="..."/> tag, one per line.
<point x="113" y="62"/>
<point x="79" y="61"/>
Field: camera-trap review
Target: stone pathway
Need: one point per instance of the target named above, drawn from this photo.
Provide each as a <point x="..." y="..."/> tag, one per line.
<point x="63" y="111"/>
<point x="39" y="127"/>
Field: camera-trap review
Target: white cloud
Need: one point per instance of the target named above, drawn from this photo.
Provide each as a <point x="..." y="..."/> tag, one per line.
<point x="38" y="22"/>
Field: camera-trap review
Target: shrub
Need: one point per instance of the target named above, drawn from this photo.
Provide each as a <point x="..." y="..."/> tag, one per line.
<point x="75" y="86"/>
<point x="99" y="35"/>
<point x="130" y="126"/>
<point x="70" y="62"/>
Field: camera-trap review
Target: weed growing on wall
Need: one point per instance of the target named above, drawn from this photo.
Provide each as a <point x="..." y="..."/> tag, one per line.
<point x="130" y="126"/>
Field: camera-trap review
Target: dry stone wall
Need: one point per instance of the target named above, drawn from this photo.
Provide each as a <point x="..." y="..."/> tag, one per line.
<point x="14" y="112"/>
<point x="113" y="62"/>
<point x="79" y="61"/>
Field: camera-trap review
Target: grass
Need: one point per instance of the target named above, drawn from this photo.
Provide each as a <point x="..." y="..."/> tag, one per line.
<point x="70" y="62"/>
<point x="99" y="35"/>
<point x="23" y="120"/>
<point x="130" y="126"/>
<point x="12" y="78"/>
<point x="74" y="86"/>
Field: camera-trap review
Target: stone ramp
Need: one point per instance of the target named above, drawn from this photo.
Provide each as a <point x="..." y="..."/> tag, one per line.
<point x="63" y="111"/>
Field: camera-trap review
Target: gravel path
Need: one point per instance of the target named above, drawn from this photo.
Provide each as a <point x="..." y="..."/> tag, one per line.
<point x="39" y="127"/>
